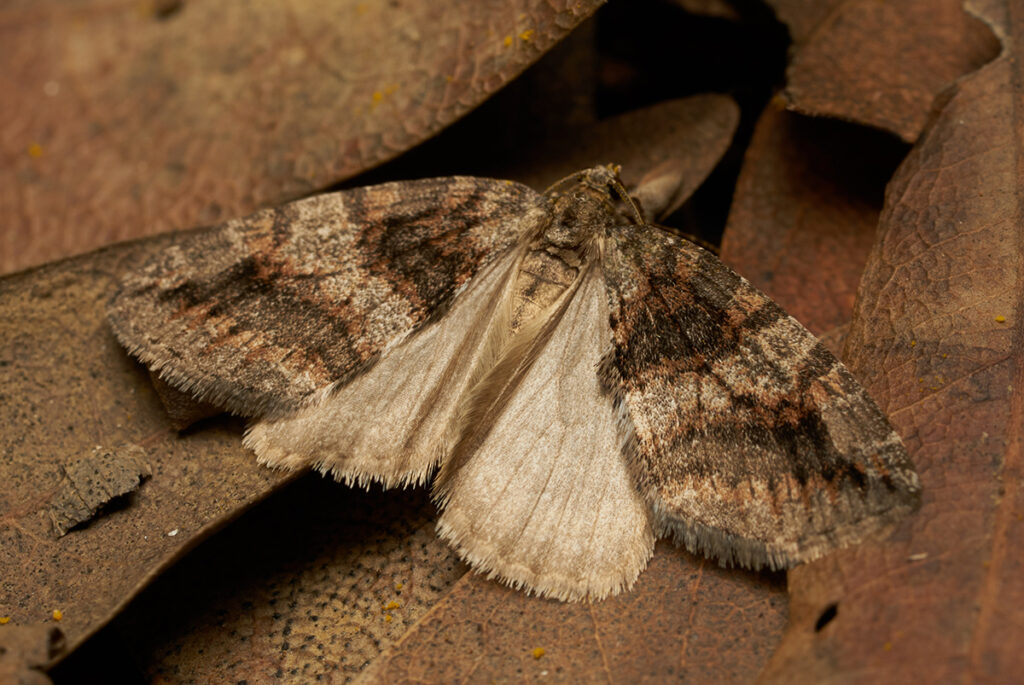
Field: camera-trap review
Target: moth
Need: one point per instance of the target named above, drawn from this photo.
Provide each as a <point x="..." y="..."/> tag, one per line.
<point x="575" y="380"/>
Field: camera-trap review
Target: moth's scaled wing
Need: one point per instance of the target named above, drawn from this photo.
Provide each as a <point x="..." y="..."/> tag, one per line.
<point x="751" y="443"/>
<point x="394" y="423"/>
<point x="260" y="313"/>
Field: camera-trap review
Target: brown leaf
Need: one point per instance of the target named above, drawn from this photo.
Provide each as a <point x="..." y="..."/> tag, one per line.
<point x="312" y="584"/>
<point x="26" y="651"/>
<point x="686" y="619"/>
<point x="123" y="119"/>
<point x="66" y="385"/>
<point x="880" y="63"/>
<point x="805" y="210"/>
<point x="93" y="481"/>
<point x="937" y="339"/>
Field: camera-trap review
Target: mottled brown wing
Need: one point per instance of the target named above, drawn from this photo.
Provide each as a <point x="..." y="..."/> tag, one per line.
<point x="259" y="313"/>
<point x="751" y="441"/>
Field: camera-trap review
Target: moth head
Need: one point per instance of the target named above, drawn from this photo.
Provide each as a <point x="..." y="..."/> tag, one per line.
<point x="587" y="201"/>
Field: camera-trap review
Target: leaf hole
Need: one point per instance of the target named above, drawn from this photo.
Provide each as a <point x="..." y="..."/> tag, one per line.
<point x="830" y="612"/>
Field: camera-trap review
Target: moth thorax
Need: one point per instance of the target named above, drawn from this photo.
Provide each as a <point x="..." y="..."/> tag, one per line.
<point x="577" y="217"/>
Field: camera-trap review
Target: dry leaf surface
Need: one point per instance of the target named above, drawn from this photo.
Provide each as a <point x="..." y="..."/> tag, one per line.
<point x="312" y="585"/>
<point x="880" y="63"/>
<point x="65" y="387"/>
<point x="686" y="619"/>
<point x="122" y="119"/>
<point x="804" y="213"/>
<point x="937" y="339"/>
<point x="25" y="651"/>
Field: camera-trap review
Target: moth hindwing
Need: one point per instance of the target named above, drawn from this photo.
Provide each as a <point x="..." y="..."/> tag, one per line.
<point x="579" y="381"/>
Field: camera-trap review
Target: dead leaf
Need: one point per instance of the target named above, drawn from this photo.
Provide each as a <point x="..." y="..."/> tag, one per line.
<point x="124" y="119"/>
<point x="94" y="481"/>
<point x="66" y="385"/>
<point x="805" y="210"/>
<point x="312" y="584"/>
<point x="182" y="409"/>
<point x="26" y="651"/>
<point x="937" y="340"/>
<point x="687" y="619"/>
<point x="879" y="63"/>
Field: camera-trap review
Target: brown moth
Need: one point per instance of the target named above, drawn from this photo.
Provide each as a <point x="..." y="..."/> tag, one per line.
<point x="576" y="381"/>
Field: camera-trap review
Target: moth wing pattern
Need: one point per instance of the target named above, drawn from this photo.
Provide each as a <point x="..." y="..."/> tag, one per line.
<point x="260" y="313"/>
<point x="539" y="494"/>
<point x="752" y="442"/>
<point x="579" y="384"/>
<point x="395" y="422"/>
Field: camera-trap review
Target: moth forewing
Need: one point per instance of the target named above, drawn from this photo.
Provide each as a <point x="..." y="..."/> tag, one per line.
<point x="394" y="423"/>
<point x="752" y="442"/>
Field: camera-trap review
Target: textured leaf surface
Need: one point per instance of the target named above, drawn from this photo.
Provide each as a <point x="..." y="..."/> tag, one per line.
<point x="66" y="387"/>
<point x="121" y="119"/>
<point x="686" y="619"/>
<point x="879" y="63"/>
<point x="937" y="339"/>
<point x="804" y="213"/>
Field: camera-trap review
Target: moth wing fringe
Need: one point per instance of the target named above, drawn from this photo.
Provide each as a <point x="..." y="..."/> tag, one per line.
<point x="488" y="561"/>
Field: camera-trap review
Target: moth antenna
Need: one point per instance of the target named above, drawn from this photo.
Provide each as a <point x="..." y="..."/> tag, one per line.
<point x="567" y="180"/>
<point x="616" y="184"/>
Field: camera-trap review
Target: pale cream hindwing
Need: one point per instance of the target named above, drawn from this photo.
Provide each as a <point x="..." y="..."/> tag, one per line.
<point x="396" y="421"/>
<point x="545" y="501"/>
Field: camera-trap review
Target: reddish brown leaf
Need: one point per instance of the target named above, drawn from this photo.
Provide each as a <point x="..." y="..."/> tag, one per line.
<point x="25" y="651"/>
<point x="123" y="119"/>
<point x="686" y="619"/>
<point x="880" y="63"/>
<point x="937" y="337"/>
<point x="804" y="214"/>
<point x="67" y="386"/>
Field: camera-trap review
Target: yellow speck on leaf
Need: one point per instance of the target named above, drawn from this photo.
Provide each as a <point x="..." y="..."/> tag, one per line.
<point x="388" y="618"/>
<point x="944" y="356"/>
<point x="377" y="97"/>
<point x="913" y="343"/>
<point x="538" y="652"/>
<point x="57" y="614"/>
<point x="4" y="620"/>
<point x="508" y="41"/>
<point x="526" y="36"/>
<point x="399" y="586"/>
<point x="391" y="605"/>
<point x="1000" y="319"/>
<point x="35" y="150"/>
<point x="887" y="646"/>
